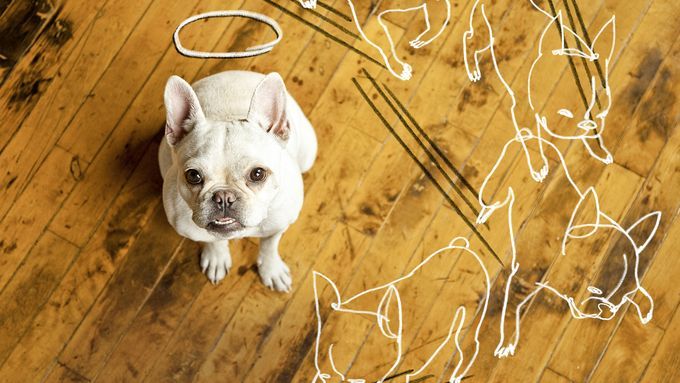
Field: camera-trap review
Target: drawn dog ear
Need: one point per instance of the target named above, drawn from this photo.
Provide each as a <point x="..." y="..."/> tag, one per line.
<point x="585" y="219"/>
<point x="326" y="293"/>
<point x="183" y="110"/>
<point x="268" y="106"/>
<point x="605" y="40"/>
<point x="643" y="230"/>
<point x="388" y="311"/>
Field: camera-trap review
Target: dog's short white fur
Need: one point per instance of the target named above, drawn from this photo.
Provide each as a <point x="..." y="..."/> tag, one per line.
<point x="232" y="161"/>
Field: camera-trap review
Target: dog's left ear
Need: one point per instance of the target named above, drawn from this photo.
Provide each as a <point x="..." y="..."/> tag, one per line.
<point x="269" y="106"/>
<point x="642" y="231"/>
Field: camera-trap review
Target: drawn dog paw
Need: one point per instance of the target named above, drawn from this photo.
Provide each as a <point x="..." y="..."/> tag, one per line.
<point x="474" y="75"/>
<point x="275" y="274"/>
<point x="308" y="4"/>
<point x="484" y="213"/>
<point x="540" y="175"/>
<point x="406" y="72"/>
<point x="215" y="265"/>
<point x="505" y="351"/>
<point x="417" y="43"/>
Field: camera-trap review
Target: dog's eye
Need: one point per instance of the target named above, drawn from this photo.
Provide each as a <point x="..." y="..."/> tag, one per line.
<point x="193" y="177"/>
<point x="258" y="174"/>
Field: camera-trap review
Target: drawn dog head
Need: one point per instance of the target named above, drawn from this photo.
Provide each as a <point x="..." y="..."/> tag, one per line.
<point x="590" y="99"/>
<point x="227" y="171"/>
<point x="620" y="280"/>
<point x="334" y="349"/>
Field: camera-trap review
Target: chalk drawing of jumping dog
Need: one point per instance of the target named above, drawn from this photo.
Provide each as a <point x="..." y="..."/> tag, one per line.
<point x="387" y="316"/>
<point x="587" y="123"/>
<point x="437" y="15"/>
<point x="587" y="220"/>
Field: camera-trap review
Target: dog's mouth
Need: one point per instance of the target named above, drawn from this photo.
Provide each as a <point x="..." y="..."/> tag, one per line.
<point x="224" y="224"/>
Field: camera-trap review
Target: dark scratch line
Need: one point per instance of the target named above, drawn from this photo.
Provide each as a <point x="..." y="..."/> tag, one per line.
<point x="596" y="61"/>
<point x="327" y="34"/>
<point x="587" y="37"/>
<point x="434" y="144"/>
<point x="423" y="168"/>
<point x="339" y="13"/>
<point x="579" y="47"/>
<point x="398" y="374"/>
<point x="558" y="25"/>
<point x="420" y="142"/>
<point x="326" y="19"/>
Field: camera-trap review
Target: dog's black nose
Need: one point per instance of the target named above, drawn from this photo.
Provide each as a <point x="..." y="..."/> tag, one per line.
<point x="224" y="198"/>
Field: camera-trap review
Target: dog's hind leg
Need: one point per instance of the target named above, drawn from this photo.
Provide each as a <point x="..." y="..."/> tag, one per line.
<point x="437" y="15"/>
<point x="384" y="44"/>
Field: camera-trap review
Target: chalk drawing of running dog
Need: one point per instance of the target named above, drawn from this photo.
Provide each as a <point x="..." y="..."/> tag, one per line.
<point x="552" y="53"/>
<point x="437" y="15"/>
<point x="387" y="316"/>
<point x="587" y="220"/>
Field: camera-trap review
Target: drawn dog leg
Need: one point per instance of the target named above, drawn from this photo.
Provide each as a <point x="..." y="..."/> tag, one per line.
<point x="437" y="16"/>
<point x="469" y="314"/>
<point x="477" y="40"/>
<point x="384" y="44"/>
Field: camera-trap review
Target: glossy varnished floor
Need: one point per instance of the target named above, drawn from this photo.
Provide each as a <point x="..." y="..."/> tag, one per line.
<point x="96" y="286"/>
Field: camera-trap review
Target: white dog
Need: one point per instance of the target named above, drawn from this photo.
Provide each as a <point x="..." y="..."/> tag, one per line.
<point x="236" y="145"/>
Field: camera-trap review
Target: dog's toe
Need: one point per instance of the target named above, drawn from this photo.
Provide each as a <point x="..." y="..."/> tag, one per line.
<point x="276" y="275"/>
<point x="215" y="266"/>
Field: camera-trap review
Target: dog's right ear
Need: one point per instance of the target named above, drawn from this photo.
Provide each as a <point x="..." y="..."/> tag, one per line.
<point x="182" y="108"/>
<point x="326" y="294"/>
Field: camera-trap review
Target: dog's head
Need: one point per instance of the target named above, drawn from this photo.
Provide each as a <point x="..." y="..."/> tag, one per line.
<point x="583" y="112"/>
<point x="227" y="171"/>
<point x="619" y="279"/>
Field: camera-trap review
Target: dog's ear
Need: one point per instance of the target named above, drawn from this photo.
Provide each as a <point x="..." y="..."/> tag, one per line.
<point x="585" y="219"/>
<point x="326" y="294"/>
<point x="389" y="314"/>
<point x="268" y="106"/>
<point x="643" y="230"/>
<point x="605" y="40"/>
<point x="182" y="108"/>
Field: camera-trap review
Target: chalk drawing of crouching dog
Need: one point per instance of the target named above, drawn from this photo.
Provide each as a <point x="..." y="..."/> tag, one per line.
<point x="437" y="14"/>
<point x="387" y="317"/>
<point x="554" y="51"/>
<point x="587" y="221"/>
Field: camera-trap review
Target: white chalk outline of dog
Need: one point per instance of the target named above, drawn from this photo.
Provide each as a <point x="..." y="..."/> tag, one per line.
<point x="383" y="321"/>
<point x="475" y="75"/>
<point x="416" y="43"/>
<point x="603" y="220"/>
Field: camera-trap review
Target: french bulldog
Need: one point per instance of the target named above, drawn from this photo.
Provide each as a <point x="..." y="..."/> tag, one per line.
<point x="236" y="145"/>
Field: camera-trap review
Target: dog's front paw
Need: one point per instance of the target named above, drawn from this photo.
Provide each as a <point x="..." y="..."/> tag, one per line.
<point x="308" y="4"/>
<point x="215" y="264"/>
<point x="417" y="43"/>
<point x="505" y="351"/>
<point x="275" y="274"/>
<point x="406" y="72"/>
<point x="540" y="175"/>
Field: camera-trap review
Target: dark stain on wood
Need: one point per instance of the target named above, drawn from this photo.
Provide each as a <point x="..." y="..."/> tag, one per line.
<point x="31" y="84"/>
<point x="643" y="77"/>
<point x="654" y="116"/>
<point x="123" y="226"/>
<point x="21" y="22"/>
<point x="60" y="31"/>
<point x="295" y="357"/>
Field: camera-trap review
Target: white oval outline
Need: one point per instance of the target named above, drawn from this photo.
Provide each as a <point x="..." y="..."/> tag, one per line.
<point x="249" y="52"/>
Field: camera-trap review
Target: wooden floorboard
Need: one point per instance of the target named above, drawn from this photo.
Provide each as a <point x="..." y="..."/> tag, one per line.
<point x="96" y="286"/>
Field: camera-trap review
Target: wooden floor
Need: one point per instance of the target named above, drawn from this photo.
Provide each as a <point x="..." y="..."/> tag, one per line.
<point x="96" y="286"/>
